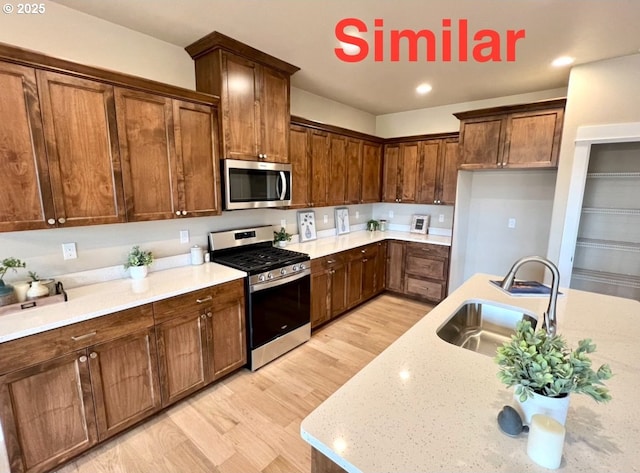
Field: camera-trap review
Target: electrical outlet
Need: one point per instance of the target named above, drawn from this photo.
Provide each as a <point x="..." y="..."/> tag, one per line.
<point x="325" y="218"/>
<point x="512" y="223"/>
<point x="69" y="251"/>
<point x="283" y="223"/>
<point x="441" y="218"/>
<point x="184" y="236"/>
<point x="390" y="213"/>
<point x="357" y="215"/>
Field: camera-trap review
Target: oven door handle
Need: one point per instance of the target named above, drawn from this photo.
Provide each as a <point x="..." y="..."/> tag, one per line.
<point x="282" y="179"/>
<point x="279" y="282"/>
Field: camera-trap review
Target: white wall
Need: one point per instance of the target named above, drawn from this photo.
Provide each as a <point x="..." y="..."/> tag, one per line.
<point x="75" y="36"/>
<point x="314" y="107"/>
<point x="599" y="93"/>
<point x="441" y="119"/>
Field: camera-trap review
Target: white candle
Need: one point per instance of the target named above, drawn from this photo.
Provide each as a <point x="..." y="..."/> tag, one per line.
<point x="546" y="439"/>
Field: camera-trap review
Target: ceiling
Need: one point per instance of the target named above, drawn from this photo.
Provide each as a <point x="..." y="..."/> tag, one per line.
<point x="302" y="32"/>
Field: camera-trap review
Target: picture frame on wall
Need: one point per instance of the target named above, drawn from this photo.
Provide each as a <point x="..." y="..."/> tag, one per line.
<point x="419" y="224"/>
<point x="342" y="220"/>
<point x="307" y="225"/>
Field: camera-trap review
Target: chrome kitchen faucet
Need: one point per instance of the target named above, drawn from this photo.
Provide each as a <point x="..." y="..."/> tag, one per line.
<point x="549" y="317"/>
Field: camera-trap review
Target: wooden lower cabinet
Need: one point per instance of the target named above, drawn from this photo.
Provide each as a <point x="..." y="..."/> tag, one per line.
<point x="52" y="410"/>
<point x="201" y="337"/>
<point x="343" y="280"/>
<point x="418" y="270"/>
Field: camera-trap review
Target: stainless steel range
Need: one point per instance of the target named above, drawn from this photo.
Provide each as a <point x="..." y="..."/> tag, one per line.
<point x="278" y="290"/>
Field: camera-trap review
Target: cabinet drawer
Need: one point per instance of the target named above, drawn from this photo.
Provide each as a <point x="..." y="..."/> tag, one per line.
<point x="23" y="352"/>
<point x="227" y="292"/>
<point x="430" y="290"/>
<point x="435" y="268"/>
<point x="425" y="249"/>
<point x="178" y="305"/>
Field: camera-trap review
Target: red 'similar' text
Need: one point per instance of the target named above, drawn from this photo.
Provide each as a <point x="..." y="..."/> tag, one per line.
<point x="451" y="43"/>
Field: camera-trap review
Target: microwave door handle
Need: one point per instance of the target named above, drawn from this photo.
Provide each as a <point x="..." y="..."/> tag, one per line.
<point x="284" y="185"/>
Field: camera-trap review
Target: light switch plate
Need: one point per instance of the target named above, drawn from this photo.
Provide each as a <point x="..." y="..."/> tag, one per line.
<point x="325" y="218"/>
<point x="357" y="215"/>
<point x="441" y="218"/>
<point x="390" y="213"/>
<point x="184" y="236"/>
<point x="512" y="223"/>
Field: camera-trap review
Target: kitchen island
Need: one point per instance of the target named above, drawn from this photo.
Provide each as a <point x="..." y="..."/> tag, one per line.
<point x="424" y="405"/>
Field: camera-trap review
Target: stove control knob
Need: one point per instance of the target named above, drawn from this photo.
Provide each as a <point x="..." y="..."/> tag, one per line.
<point x="302" y="266"/>
<point x="295" y="267"/>
<point x="269" y="276"/>
<point x="283" y="271"/>
<point x="261" y="278"/>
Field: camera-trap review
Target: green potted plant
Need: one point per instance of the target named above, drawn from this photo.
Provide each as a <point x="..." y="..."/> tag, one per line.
<point x="281" y="237"/>
<point x="7" y="295"/>
<point x="138" y="262"/>
<point x="545" y="371"/>
<point x="373" y="225"/>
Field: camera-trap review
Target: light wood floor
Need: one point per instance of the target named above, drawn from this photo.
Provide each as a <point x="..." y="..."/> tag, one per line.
<point x="250" y="422"/>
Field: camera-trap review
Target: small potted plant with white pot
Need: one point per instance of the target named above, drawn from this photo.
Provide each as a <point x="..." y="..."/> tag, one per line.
<point x="545" y="371"/>
<point x="281" y="237"/>
<point x="138" y="262"/>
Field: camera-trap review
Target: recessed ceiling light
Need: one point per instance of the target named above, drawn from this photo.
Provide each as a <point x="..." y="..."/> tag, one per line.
<point x="562" y="61"/>
<point x="423" y="89"/>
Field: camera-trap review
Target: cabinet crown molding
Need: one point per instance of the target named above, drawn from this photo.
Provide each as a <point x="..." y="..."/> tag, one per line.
<point x="526" y="107"/>
<point x="217" y="40"/>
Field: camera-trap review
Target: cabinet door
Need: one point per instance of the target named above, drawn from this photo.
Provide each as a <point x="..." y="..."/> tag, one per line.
<point x="25" y="199"/>
<point x="381" y="266"/>
<point x="336" y="190"/>
<point x="239" y="106"/>
<point x="124" y="376"/>
<point x="355" y="176"/>
<point x="338" y="274"/>
<point x="196" y="142"/>
<point x="320" y="294"/>
<point x="82" y="148"/>
<point x="481" y="142"/>
<point x="390" y="174"/>
<point x="48" y="413"/>
<point x="369" y="272"/>
<point x="298" y="155"/>
<point x="395" y="271"/>
<point x="274" y="112"/>
<point x="409" y="156"/>
<point x="226" y="336"/>
<point x="354" y="277"/>
<point x="448" y="172"/>
<point x="371" y="173"/>
<point x="149" y="174"/>
<point x="182" y="355"/>
<point x="533" y="139"/>
<point x="319" y="159"/>
<point x="427" y="183"/>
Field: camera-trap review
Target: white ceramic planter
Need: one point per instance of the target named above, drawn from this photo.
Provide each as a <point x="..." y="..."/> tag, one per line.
<point x="138" y="272"/>
<point x="282" y="243"/>
<point x="554" y="407"/>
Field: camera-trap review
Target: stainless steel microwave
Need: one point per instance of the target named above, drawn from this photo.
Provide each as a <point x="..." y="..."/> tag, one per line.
<point x="255" y="184"/>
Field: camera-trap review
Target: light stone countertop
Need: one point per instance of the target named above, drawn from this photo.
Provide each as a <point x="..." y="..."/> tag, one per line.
<point x="329" y="245"/>
<point x="424" y="405"/>
<point x="95" y="300"/>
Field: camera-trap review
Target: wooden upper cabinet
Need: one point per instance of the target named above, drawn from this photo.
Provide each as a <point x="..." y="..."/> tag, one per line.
<point x="514" y="136"/>
<point x="254" y="90"/>
<point x="169" y="157"/>
<point x="82" y="148"/>
<point x="320" y="167"/>
<point x="337" y="185"/>
<point x="438" y="171"/>
<point x="355" y="177"/>
<point x="149" y="174"/>
<point x="401" y="172"/>
<point x="371" y="190"/>
<point x="25" y="201"/>
<point x="448" y="172"/>
<point x="196" y="142"/>
<point x="427" y="182"/>
<point x="300" y="165"/>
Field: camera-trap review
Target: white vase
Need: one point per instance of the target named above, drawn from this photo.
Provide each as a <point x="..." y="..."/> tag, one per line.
<point x="282" y="243"/>
<point x="554" y="407"/>
<point x="37" y="290"/>
<point x="138" y="272"/>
